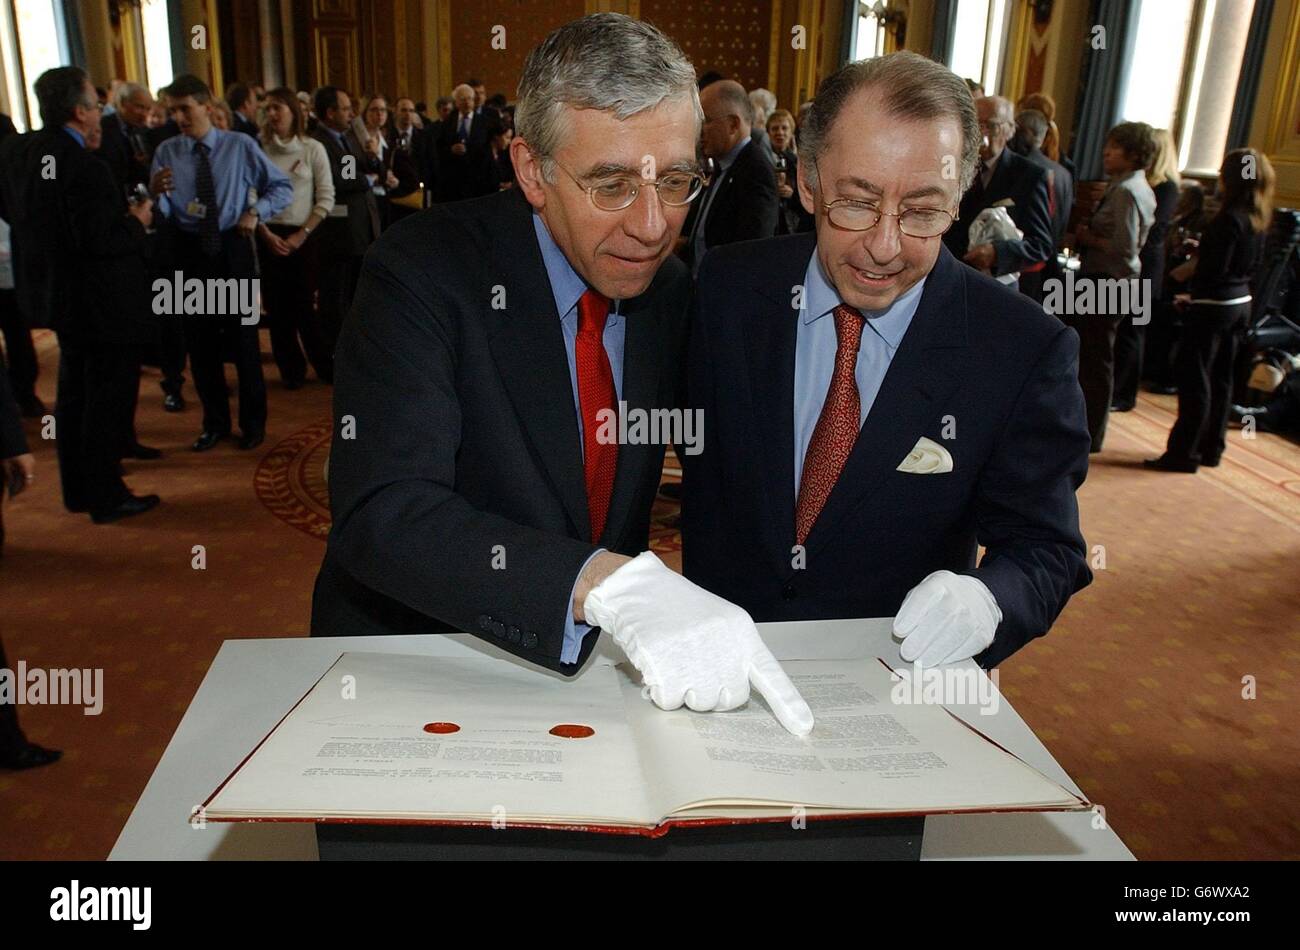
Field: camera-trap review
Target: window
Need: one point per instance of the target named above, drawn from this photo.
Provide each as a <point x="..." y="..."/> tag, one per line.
<point x="980" y="41"/>
<point x="42" y="44"/>
<point x="868" y="32"/>
<point x="157" y="43"/>
<point x="1184" y="71"/>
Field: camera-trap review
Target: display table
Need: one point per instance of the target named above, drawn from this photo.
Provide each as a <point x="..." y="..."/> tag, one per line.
<point x="252" y="683"/>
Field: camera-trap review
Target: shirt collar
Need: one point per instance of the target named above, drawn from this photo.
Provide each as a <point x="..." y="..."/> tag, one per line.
<point x="210" y="140"/>
<point x="81" y="139"/>
<point x="821" y="297"/>
<point x="566" y="285"/>
<point x="736" y="149"/>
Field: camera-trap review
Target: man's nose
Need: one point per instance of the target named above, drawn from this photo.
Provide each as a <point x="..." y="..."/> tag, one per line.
<point x="884" y="241"/>
<point x="644" y="218"/>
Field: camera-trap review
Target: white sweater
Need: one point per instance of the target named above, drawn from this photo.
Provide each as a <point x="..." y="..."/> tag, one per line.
<point x="308" y="167"/>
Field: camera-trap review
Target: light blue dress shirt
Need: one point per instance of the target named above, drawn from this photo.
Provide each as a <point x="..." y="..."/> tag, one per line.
<point x="240" y="169"/>
<point x="816" y="343"/>
<point x="77" y="136"/>
<point x="567" y="288"/>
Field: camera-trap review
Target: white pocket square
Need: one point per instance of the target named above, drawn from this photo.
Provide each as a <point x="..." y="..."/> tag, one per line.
<point x="926" y="458"/>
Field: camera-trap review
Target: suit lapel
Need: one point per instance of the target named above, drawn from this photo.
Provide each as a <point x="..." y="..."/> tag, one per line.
<point x="928" y="366"/>
<point x="527" y="344"/>
<point x="770" y="337"/>
<point x="642" y="367"/>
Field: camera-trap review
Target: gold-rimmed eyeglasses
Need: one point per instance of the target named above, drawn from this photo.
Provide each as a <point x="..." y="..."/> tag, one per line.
<point x="618" y="192"/>
<point x="850" y="214"/>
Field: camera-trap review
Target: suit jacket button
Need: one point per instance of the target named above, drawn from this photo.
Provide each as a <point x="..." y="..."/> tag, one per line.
<point x="513" y="633"/>
<point x="530" y="640"/>
<point x="484" y="623"/>
<point x="788" y="592"/>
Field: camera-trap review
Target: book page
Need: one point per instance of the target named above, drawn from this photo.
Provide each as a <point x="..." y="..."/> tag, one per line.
<point x="425" y="737"/>
<point x="865" y="753"/>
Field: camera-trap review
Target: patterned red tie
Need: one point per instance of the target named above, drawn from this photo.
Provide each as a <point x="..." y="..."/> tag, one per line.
<point x="596" y="392"/>
<point x="837" y="426"/>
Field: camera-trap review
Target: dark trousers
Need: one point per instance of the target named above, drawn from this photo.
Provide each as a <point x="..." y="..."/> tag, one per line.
<point x="94" y="383"/>
<point x="289" y="289"/>
<point x="12" y="740"/>
<point x="339" y="270"/>
<point x="211" y="339"/>
<point x="1206" y="357"/>
<point x="1096" y="367"/>
<point x="20" y="351"/>
<point x="1129" y="346"/>
<point x="1160" y="347"/>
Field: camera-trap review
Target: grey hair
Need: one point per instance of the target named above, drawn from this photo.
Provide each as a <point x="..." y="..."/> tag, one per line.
<point x="604" y="61"/>
<point x="127" y="90"/>
<point x="1033" y="125"/>
<point x="764" y="103"/>
<point x="914" y="88"/>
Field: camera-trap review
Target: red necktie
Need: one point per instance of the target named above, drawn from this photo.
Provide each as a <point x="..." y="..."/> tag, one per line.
<point x="596" y="392"/>
<point x="837" y="426"/>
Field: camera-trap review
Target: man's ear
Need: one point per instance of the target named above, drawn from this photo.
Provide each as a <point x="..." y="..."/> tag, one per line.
<point x="806" y="196"/>
<point x="528" y="172"/>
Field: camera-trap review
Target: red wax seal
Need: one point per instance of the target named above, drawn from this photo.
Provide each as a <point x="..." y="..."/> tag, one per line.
<point x="441" y="728"/>
<point x="567" y="730"/>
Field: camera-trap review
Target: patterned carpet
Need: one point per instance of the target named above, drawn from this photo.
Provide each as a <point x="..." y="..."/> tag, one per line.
<point x="1137" y="691"/>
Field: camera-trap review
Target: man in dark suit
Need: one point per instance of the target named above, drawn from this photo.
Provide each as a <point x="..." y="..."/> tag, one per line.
<point x="124" y="145"/>
<point x="353" y="224"/>
<point x="19" y="349"/>
<point x="80" y="269"/>
<point x="1031" y="131"/>
<point x="862" y="445"/>
<point x="474" y="483"/>
<point x="741" y="202"/>
<point x="243" y="108"/>
<point x="464" y="150"/>
<point x="1003" y="175"/>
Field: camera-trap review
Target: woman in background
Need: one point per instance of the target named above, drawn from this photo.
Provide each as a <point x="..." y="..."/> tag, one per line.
<point x="1217" y="306"/>
<point x="289" y="259"/>
<point x="793" y="217"/>
<point x="1110" y="245"/>
<point x="1162" y="176"/>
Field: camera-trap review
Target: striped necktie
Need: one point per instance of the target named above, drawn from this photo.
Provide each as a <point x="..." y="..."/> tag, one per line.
<point x="205" y="190"/>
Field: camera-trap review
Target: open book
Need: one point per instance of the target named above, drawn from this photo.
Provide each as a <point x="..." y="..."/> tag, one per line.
<point x="421" y="739"/>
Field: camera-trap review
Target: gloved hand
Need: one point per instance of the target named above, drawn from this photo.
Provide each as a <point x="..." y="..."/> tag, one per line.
<point x="691" y="646"/>
<point x="945" y="618"/>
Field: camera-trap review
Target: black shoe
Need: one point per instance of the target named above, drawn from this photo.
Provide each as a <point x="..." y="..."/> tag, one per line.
<point x="174" y="402"/>
<point x="1263" y="416"/>
<point x="32" y="407"/>
<point x="144" y="453"/>
<point x="671" y="489"/>
<point x="134" y="505"/>
<point x="1163" y="389"/>
<point x="292" y="384"/>
<point x="30" y="756"/>
<point x="1122" y="407"/>
<point x="1212" y="462"/>
<point x="207" y="440"/>
<point x="252" y="440"/>
<point x="1167" y="464"/>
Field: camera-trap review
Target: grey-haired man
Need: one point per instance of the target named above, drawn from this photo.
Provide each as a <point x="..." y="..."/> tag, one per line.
<point x="489" y="343"/>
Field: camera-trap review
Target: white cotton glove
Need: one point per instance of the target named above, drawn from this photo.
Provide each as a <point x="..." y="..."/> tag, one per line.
<point x="691" y="646"/>
<point x="945" y="618"/>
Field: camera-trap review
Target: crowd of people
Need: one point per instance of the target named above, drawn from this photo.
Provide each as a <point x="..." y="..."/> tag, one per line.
<point x="294" y="188"/>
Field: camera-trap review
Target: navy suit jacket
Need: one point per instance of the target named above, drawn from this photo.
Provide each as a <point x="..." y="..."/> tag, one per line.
<point x="466" y="442"/>
<point x="978" y="360"/>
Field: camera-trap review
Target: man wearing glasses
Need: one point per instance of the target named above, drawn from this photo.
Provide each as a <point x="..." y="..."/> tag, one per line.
<point x="470" y="484"/>
<point x="875" y="409"/>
